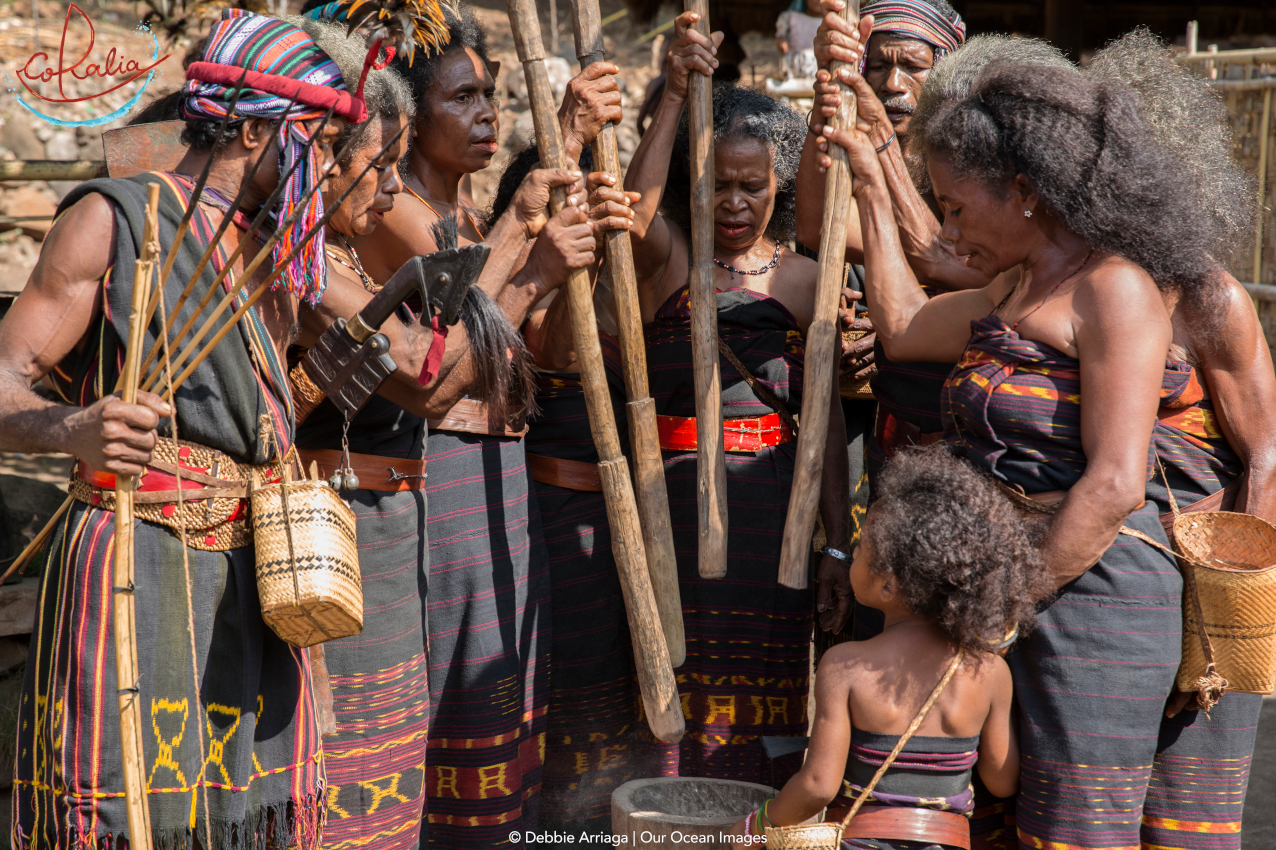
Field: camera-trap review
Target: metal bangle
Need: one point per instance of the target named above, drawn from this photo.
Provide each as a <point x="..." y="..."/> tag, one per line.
<point x="888" y="143"/>
<point x="836" y="553"/>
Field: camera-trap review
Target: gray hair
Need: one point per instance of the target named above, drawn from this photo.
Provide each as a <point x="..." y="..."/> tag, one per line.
<point x="1189" y="119"/>
<point x="954" y="76"/>
<point x="385" y="92"/>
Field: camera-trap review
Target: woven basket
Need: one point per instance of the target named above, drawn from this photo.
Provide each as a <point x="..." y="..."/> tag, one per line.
<point x="815" y="836"/>
<point x="307" y="562"/>
<point x="1236" y="584"/>
<point x="849" y="387"/>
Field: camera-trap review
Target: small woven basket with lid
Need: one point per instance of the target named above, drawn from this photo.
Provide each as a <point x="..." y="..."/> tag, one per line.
<point x="307" y="562"/>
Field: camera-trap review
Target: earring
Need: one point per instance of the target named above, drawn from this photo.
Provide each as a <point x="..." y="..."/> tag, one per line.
<point x="1027" y="213"/>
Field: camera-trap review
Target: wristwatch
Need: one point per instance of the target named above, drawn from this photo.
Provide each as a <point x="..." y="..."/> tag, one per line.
<point x="836" y="553"/>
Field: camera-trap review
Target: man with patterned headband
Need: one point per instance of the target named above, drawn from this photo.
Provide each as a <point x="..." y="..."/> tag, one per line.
<point x="230" y="741"/>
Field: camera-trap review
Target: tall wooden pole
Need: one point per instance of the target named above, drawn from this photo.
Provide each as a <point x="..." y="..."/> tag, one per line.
<point x="711" y="462"/>
<point x="821" y="351"/>
<point x="649" y="467"/>
<point x="125" y="619"/>
<point x="651" y="653"/>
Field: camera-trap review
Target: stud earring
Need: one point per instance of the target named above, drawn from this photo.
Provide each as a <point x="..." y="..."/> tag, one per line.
<point x="1027" y="213"/>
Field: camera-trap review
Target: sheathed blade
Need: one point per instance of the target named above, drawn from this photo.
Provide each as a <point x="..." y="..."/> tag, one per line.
<point x="442" y="278"/>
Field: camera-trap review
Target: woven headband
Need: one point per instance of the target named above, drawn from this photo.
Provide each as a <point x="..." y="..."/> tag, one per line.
<point x="920" y="20"/>
<point x="342" y="103"/>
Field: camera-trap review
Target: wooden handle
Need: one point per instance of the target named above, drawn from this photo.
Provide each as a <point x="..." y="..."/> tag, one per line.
<point x="125" y="614"/>
<point x="820" y="367"/>
<point x="711" y="460"/>
<point x="651" y="653"/>
<point x="644" y="439"/>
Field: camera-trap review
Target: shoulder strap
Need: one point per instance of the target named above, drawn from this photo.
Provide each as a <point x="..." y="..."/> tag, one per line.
<point x="763" y="392"/>
<point x="904" y="739"/>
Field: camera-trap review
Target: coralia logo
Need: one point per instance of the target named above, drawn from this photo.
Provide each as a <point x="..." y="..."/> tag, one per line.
<point x="114" y="68"/>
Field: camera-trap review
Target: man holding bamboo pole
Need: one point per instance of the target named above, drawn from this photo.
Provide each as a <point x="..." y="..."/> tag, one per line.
<point x="230" y="743"/>
<point x="747" y="637"/>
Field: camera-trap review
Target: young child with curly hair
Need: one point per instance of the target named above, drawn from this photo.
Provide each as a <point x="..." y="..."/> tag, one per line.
<point x="949" y="562"/>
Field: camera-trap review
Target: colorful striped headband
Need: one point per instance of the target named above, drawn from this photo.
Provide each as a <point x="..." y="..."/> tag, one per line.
<point x="278" y="62"/>
<point x="917" y="19"/>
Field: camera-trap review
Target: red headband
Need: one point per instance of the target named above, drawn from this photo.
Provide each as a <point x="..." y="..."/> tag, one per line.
<point x="342" y="103"/>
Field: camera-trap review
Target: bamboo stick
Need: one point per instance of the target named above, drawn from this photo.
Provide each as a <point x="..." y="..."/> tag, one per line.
<point x="52" y="169"/>
<point x="821" y="350"/>
<point x="152" y="377"/>
<point x="649" y="467"/>
<point x="125" y="614"/>
<point x="1263" y="144"/>
<point x="280" y="268"/>
<point x="651" y="653"/>
<point x="711" y="461"/>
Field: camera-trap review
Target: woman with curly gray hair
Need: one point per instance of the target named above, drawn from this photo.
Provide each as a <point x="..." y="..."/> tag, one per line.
<point x="1216" y="441"/>
<point x="1055" y="187"/>
<point x="764" y="306"/>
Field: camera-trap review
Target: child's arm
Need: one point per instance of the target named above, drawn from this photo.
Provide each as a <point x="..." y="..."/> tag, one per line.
<point x="820" y="778"/>
<point x="999" y="740"/>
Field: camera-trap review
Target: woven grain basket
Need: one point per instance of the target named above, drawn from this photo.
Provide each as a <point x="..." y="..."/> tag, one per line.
<point x="307" y="562"/>
<point x="1234" y="568"/>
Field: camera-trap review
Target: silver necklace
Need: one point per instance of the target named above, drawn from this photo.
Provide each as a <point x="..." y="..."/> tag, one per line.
<point x="775" y="259"/>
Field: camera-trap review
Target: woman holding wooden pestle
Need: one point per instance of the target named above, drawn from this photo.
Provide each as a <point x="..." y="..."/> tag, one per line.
<point x="748" y="638"/>
<point x="488" y="584"/>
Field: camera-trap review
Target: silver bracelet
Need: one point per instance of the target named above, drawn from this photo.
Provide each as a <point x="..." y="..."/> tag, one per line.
<point x="836" y="553"/>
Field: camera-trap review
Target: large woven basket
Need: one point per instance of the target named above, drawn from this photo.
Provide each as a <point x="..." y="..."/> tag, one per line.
<point x="1233" y="564"/>
<point x="307" y="562"/>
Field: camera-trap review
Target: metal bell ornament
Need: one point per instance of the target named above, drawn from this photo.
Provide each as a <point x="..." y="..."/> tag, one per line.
<point x="350" y="481"/>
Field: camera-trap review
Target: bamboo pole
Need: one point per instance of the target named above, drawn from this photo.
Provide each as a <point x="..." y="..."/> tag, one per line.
<point x="821" y="350"/>
<point x="1263" y="144"/>
<point x="711" y="461"/>
<point x="125" y="619"/>
<point x="651" y="653"/>
<point x="52" y="169"/>
<point x="649" y="467"/>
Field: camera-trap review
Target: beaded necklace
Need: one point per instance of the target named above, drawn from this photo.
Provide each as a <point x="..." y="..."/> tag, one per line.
<point x="353" y="263"/>
<point x="775" y="259"/>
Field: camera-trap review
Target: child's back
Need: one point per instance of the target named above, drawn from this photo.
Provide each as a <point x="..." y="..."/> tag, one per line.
<point x="947" y="560"/>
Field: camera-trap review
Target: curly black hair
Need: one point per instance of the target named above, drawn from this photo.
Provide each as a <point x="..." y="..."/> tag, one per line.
<point x="743" y="113"/>
<point x="958" y="550"/>
<point x="1086" y="148"/>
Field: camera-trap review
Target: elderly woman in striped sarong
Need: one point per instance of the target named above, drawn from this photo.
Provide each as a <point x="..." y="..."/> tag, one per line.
<point x="1060" y="360"/>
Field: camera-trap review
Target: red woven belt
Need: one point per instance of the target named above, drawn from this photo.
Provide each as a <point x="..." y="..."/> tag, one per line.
<point x="156" y="481"/>
<point x="678" y="433"/>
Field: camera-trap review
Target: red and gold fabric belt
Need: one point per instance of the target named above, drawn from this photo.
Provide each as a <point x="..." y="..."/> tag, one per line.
<point x="470" y="417"/>
<point x="568" y="474"/>
<point x="678" y="433"/>
<point x="900" y="823"/>
<point x="213" y="503"/>
<point x="383" y="474"/>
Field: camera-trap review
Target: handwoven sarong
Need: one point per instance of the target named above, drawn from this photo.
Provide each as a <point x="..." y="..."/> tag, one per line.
<point x="260" y="779"/>
<point x="593" y="704"/>
<point x="1091" y="681"/>
<point x="1196" y="795"/>
<point x="748" y="637"/>
<point x="489" y="647"/>
<point x="376" y="761"/>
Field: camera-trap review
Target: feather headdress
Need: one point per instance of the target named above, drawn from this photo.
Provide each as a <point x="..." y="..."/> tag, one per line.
<point x="397" y="26"/>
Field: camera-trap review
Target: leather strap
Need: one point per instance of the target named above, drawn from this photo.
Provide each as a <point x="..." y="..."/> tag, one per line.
<point x="1219" y="500"/>
<point x="678" y="433"/>
<point x="158" y="484"/>
<point x="898" y="823"/>
<point x="470" y="417"/>
<point x="383" y="474"/>
<point x="893" y="433"/>
<point x="568" y="474"/>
